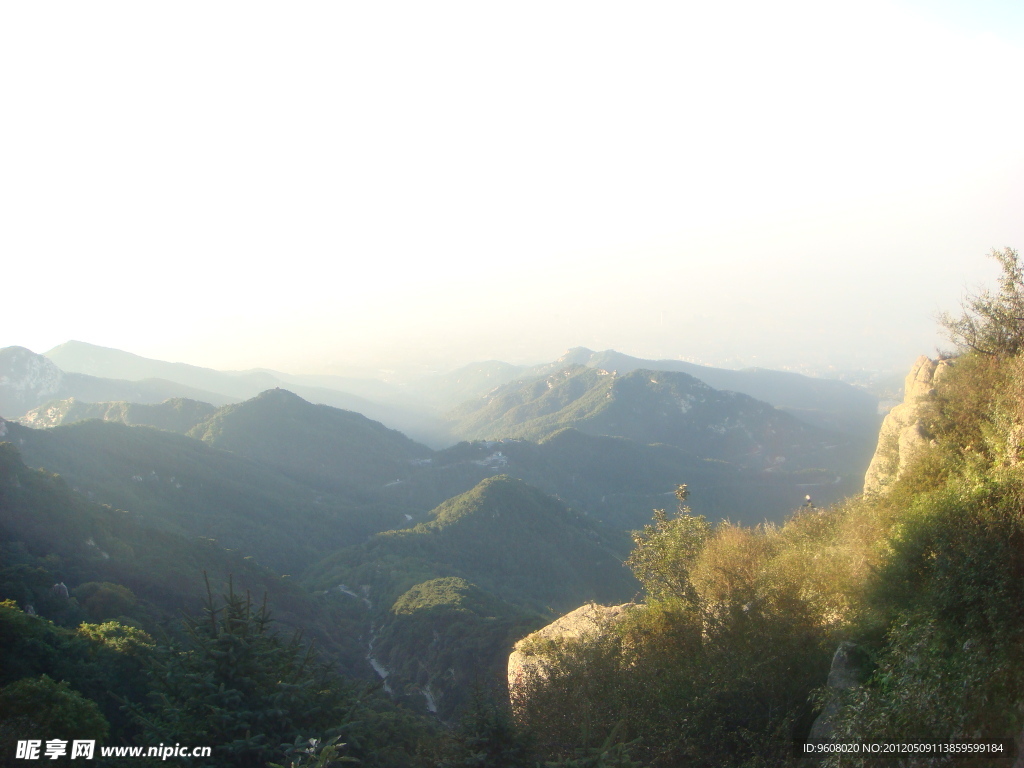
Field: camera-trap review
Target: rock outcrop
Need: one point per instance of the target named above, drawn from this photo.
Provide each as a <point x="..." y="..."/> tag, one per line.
<point x="527" y="660"/>
<point x="843" y="676"/>
<point x="904" y="432"/>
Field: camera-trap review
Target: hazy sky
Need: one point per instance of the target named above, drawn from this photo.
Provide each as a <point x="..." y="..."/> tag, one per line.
<point x="308" y="185"/>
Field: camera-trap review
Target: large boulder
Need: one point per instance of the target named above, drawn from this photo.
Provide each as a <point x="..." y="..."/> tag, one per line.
<point x="527" y="660"/>
<point x="904" y="432"/>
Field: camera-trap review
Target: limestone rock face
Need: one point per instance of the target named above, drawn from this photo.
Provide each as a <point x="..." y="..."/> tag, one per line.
<point x="841" y="677"/>
<point x="903" y="434"/>
<point x="586" y="621"/>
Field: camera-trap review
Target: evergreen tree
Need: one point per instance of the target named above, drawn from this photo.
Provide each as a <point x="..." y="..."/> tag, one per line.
<point x="240" y="688"/>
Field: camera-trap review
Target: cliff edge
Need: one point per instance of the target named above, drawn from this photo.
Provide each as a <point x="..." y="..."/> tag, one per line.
<point x="904" y="433"/>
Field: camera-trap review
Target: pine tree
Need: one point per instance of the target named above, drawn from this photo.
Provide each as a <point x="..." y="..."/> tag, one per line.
<point x="240" y="688"/>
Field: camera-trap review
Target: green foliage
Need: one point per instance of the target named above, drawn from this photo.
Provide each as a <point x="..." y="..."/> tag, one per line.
<point x="240" y="688"/>
<point x="487" y="536"/>
<point x="716" y="668"/>
<point x="445" y="637"/>
<point x="611" y="753"/>
<point x="487" y="737"/>
<point x="40" y="708"/>
<point x="462" y="587"/>
<point x="448" y="594"/>
<point x="951" y="592"/>
<point x="326" y="448"/>
<point x="992" y="323"/>
<point x="179" y="486"/>
<point x="254" y="696"/>
<point x="94" y="660"/>
<point x="942" y="605"/>
<point x="319" y="754"/>
<point x="103" y="600"/>
<point x="118" y="637"/>
<point x="666" y="551"/>
<point x="115" y="561"/>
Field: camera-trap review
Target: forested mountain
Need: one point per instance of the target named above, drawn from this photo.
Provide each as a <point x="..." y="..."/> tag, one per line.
<point x="648" y="407"/>
<point x="506" y="537"/>
<point x="117" y="563"/>
<point x="413" y="404"/>
<point x="825" y="403"/>
<point x="180" y="485"/>
<point x="324" y="447"/>
<point x="101" y="595"/>
<point x="419" y="565"/>
<point x="619" y="481"/>
<point x="500" y="556"/>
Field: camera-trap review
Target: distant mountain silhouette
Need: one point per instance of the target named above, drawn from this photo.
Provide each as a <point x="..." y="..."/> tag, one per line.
<point x="376" y="399"/>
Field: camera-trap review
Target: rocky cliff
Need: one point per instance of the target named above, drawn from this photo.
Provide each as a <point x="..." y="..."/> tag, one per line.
<point x="904" y="431"/>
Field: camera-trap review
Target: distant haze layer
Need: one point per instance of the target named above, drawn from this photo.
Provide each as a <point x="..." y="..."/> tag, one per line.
<point x="314" y="187"/>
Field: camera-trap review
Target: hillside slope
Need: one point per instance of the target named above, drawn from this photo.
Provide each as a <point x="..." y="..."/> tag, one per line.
<point x="324" y="447"/>
<point x="182" y="486"/>
<point x="445" y="599"/>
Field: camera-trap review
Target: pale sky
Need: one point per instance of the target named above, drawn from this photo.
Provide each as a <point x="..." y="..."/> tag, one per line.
<point x="308" y="186"/>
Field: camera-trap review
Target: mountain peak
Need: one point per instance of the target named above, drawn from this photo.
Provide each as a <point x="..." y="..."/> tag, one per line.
<point x="279" y="395"/>
<point x="26" y="379"/>
<point x="576" y="355"/>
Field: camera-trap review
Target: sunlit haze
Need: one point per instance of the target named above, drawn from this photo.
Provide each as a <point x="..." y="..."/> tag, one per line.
<point x="315" y="186"/>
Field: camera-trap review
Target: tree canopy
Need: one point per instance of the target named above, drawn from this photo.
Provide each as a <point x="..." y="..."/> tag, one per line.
<point x="992" y="323"/>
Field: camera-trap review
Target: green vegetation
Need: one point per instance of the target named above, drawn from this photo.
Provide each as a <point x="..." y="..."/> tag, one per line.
<point x="323" y="447"/>
<point x="993" y="323"/>
<point x="647" y="406"/>
<point x="445" y="639"/>
<point x="715" y="668"/>
<point x="180" y="486"/>
<point x="618" y="481"/>
<point x="511" y="540"/>
<point x="256" y="697"/>
<point x="449" y="597"/>
<point x="669" y="408"/>
<point x="33" y="706"/>
<point x="724" y="663"/>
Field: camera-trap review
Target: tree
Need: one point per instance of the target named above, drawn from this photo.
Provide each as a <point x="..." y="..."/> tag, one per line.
<point x="243" y="689"/>
<point x="992" y="323"/>
<point x="39" y="708"/>
<point x="488" y="736"/>
<point x="666" y="551"/>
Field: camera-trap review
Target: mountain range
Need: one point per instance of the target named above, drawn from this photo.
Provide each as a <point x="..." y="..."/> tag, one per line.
<point x="423" y="559"/>
<point x="416" y="406"/>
